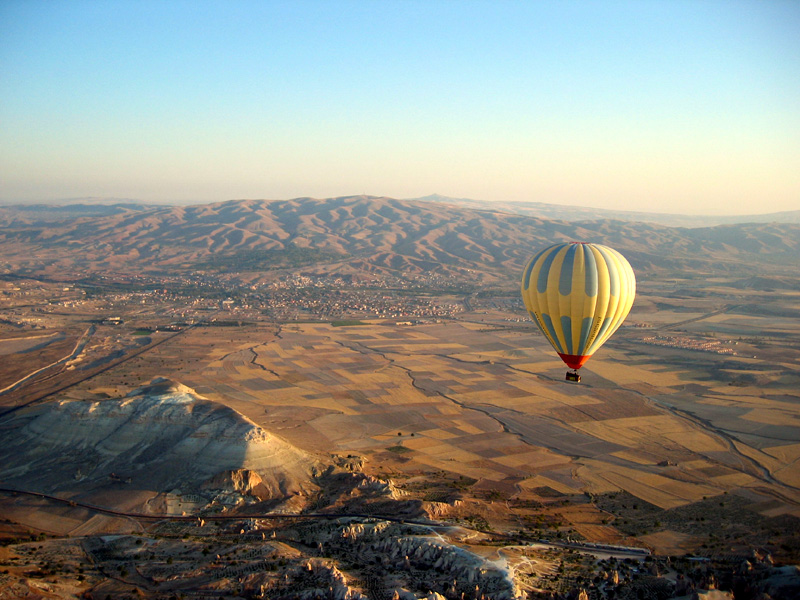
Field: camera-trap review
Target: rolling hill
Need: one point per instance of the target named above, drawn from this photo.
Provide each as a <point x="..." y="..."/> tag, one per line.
<point x="357" y="235"/>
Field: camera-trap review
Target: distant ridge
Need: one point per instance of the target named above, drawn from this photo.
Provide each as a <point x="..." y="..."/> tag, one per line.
<point x="84" y="200"/>
<point x="561" y="212"/>
<point x="584" y="213"/>
<point x="362" y="236"/>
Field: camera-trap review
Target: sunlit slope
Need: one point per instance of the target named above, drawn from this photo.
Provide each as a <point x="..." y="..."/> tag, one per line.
<point x="361" y="234"/>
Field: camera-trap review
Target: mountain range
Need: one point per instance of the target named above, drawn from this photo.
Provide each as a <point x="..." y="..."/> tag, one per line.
<point x="359" y="235"/>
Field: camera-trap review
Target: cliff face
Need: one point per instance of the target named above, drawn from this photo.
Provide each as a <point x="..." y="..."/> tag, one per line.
<point x="159" y="437"/>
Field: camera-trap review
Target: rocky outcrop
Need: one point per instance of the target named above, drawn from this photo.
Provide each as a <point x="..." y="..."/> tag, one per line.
<point x="351" y="492"/>
<point x="440" y="510"/>
<point x="352" y="462"/>
<point x="241" y="481"/>
<point x="159" y="437"/>
<point x="418" y="559"/>
<point x="315" y="579"/>
<point x="379" y="487"/>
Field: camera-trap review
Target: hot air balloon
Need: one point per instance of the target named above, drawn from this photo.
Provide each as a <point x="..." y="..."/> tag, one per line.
<point x="578" y="294"/>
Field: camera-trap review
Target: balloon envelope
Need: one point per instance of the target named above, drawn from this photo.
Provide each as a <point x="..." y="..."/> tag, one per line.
<point x="578" y="294"/>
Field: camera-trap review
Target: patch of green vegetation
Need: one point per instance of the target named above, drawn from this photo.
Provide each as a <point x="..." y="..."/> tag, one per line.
<point x="346" y="323"/>
<point x="142" y="332"/>
<point x="438" y="496"/>
<point x="496" y="495"/>
<point x="462" y="483"/>
<point x="399" y="449"/>
<point x="478" y="522"/>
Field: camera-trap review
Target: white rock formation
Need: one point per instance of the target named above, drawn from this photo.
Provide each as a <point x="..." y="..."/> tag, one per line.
<point x="161" y="436"/>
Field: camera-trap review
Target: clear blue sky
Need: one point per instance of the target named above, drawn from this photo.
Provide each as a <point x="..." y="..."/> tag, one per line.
<point x="670" y="106"/>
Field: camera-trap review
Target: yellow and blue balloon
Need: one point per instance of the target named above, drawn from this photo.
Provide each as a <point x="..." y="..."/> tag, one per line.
<point x="578" y="294"/>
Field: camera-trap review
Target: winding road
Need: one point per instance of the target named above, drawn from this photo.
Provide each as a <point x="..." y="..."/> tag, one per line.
<point x="79" y="346"/>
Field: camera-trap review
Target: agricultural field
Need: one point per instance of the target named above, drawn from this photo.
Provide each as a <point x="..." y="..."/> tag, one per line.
<point x="473" y="413"/>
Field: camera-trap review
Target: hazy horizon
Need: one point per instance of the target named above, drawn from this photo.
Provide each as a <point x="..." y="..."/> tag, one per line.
<point x="677" y="108"/>
<point x="489" y="203"/>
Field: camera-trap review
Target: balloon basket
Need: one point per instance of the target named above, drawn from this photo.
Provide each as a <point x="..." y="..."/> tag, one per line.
<point x="573" y="376"/>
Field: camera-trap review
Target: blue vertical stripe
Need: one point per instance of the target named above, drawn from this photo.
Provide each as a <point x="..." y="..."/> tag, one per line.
<point x="566" y="328"/>
<point x="586" y="325"/>
<point x="549" y="324"/>
<point x="544" y="272"/>
<point x="565" y="277"/>
<point x="590" y="265"/>
<point x="538" y="324"/>
<point x="603" y="328"/>
<point x="527" y="277"/>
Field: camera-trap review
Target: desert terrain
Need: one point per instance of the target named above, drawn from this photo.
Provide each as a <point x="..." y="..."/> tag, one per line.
<point x="352" y="425"/>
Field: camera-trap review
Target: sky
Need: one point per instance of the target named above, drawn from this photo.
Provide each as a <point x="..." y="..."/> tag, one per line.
<point x="663" y="106"/>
